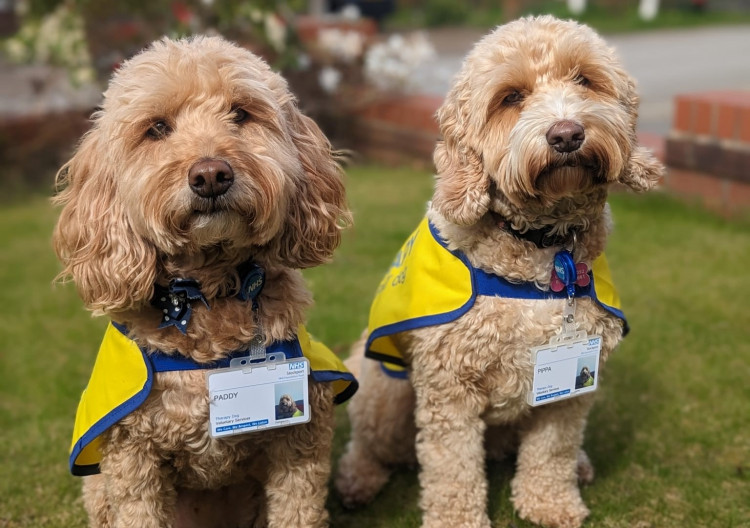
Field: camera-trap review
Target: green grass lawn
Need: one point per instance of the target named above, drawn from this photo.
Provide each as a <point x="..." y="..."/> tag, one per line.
<point x="668" y="435"/>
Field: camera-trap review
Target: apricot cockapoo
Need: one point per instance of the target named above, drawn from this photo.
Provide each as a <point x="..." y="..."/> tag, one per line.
<point x="188" y="210"/>
<point x="540" y="122"/>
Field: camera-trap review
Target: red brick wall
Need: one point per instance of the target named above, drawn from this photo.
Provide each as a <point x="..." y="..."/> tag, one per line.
<point x="401" y="129"/>
<point x="708" y="149"/>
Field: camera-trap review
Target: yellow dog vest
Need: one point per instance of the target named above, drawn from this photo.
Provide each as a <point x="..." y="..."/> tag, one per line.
<point x="123" y="375"/>
<point x="428" y="284"/>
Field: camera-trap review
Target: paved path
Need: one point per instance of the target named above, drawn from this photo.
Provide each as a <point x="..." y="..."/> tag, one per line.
<point x="665" y="63"/>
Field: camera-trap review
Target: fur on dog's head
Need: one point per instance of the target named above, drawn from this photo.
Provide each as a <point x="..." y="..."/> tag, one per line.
<point x="541" y="113"/>
<point x="197" y="154"/>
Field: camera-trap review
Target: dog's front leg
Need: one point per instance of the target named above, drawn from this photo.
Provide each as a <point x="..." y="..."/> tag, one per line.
<point x="545" y="487"/>
<point x="139" y="487"/>
<point x="450" y="449"/>
<point x="300" y="465"/>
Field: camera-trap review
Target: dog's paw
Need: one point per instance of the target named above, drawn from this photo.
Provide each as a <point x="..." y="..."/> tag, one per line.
<point x="551" y="504"/>
<point x="359" y="478"/>
<point x="555" y="514"/>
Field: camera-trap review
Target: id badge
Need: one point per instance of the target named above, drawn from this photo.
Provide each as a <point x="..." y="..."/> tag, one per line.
<point x="252" y="396"/>
<point x="564" y="368"/>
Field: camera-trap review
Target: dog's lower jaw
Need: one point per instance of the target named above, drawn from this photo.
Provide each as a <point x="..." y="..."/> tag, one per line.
<point x="557" y="182"/>
<point x="220" y="227"/>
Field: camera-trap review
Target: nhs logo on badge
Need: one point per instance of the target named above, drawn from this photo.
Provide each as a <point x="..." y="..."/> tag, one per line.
<point x="297" y="365"/>
<point x="595" y="341"/>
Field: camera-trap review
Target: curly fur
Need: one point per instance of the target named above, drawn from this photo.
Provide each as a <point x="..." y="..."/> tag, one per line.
<point x="470" y="377"/>
<point x="130" y="220"/>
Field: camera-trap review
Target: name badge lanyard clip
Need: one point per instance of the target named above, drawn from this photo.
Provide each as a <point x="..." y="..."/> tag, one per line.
<point x="565" y="269"/>
<point x="255" y="282"/>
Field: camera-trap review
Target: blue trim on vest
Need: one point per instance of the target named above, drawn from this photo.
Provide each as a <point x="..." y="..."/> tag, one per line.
<point x="112" y="417"/>
<point x="158" y="361"/>
<point x="325" y="376"/>
<point x="492" y="285"/>
<point x="425" y="320"/>
<point x="486" y="284"/>
<point x="398" y="374"/>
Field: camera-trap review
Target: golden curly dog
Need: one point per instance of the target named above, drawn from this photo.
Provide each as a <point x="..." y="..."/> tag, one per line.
<point x="540" y="122"/>
<point x="197" y="161"/>
<point x="287" y="407"/>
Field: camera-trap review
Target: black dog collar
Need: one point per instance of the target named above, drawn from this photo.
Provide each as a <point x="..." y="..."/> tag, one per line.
<point x="541" y="238"/>
<point x="174" y="301"/>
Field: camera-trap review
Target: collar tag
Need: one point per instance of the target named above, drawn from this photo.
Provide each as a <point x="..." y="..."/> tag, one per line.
<point x="566" y="272"/>
<point x="175" y="304"/>
<point x="253" y="280"/>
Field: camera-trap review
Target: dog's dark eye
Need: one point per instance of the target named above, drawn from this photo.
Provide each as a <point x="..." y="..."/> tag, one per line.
<point x="159" y="130"/>
<point x="583" y="81"/>
<point x="239" y="115"/>
<point x="513" y="98"/>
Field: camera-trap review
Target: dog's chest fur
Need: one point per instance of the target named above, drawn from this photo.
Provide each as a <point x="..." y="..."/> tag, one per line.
<point x="484" y="357"/>
<point x="174" y="419"/>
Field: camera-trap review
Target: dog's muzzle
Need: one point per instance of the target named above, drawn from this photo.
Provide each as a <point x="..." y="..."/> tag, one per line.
<point x="210" y="177"/>
<point x="566" y="136"/>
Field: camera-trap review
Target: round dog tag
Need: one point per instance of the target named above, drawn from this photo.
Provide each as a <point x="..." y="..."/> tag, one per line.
<point x="565" y="267"/>
<point x="253" y="282"/>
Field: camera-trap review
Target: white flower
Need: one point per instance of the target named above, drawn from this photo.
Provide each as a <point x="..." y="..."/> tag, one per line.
<point x="58" y="39"/>
<point x="344" y="45"/>
<point x="275" y="31"/>
<point x="329" y="79"/>
<point x="391" y="65"/>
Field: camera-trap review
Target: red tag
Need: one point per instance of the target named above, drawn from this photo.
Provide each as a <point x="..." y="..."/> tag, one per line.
<point x="555" y="284"/>
<point x="582" y="274"/>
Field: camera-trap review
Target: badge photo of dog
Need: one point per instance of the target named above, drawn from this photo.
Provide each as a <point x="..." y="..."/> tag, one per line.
<point x="287" y="408"/>
<point x="188" y="210"/>
<point x="540" y="122"/>
<point x="584" y="378"/>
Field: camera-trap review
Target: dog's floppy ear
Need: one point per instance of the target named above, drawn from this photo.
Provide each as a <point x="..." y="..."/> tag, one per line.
<point x="317" y="209"/>
<point x="112" y="268"/>
<point x="642" y="171"/>
<point x="462" y="187"/>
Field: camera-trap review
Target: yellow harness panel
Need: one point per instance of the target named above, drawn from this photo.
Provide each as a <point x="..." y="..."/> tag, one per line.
<point x="428" y="284"/>
<point x="123" y="375"/>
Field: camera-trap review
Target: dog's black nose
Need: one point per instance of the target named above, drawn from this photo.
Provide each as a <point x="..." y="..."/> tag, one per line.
<point x="565" y="136"/>
<point x="210" y="178"/>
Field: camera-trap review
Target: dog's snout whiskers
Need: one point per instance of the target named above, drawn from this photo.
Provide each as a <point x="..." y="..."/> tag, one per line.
<point x="210" y="177"/>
